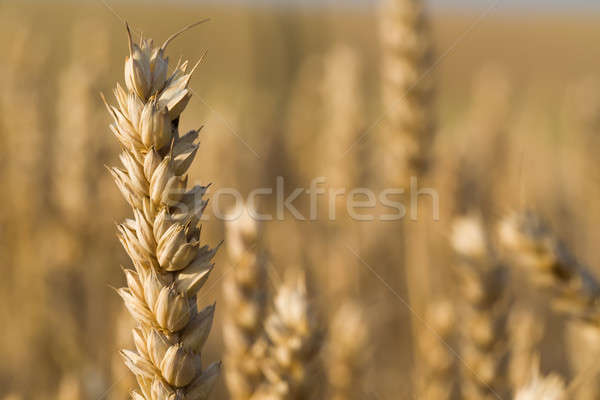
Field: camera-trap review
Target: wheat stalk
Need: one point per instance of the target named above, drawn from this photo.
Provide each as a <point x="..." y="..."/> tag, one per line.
<point x="486" y="130"/>
<point x="526" y="331"/>
<point x="293" y="342"/>
<point x="75" y="156"/>
<point x="347" y="355"/>
<point x="484" y="335"/>
<point x="436" y="379"/>
<point x="550" y="265"/>
<point x="162" y="240"/>
<point x="407" y="131"/>
<point x="245" y="294"/>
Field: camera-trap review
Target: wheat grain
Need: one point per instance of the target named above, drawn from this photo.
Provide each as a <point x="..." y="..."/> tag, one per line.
<point x="162" y="240"/>
<point x="245" y="295"/>
<point x="483" y="282"/>
<point x="293" y="343"/>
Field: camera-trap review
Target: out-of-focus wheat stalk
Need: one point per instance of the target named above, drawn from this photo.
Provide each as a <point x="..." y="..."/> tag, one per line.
<point x="404" y="143"/>
<point x="162" y="240"/>
<point x="70" y="389"/>
<point x="526" y="331"/>
<point x="24" y="173"/>
<point x="293" y="342"/>
<point x="75" y="156"/>
<point x="437" y="379"/>
<point x="121" y="379"/>
<point x="305" y="109"/>
<point x="245" y="293"/>
<point x="582" y="351"/>
<point x="532" y="245"/>
<point x="342" y="117"/>
<point x="348" y="353"/>
<point x="483" y="282"/>
<point x="482" y="157"/>
<point x="539" y="387"/>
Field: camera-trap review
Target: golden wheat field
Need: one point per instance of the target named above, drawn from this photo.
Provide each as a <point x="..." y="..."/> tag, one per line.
<point x="330" y="201"/>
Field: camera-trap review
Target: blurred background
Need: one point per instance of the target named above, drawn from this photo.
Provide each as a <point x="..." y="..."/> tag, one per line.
<point x="517" y="125"/>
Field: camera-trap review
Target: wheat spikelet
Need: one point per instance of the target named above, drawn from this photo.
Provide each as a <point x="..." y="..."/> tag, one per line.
<point x="245" y="294"/>
<point x="163" y="240"/>
<point x="540" y="387"/>
<point x="347" y="353"/>
<point x="407" y="89"/>
<point x="436" y="379"/>
<point x="293" y="342"/>
<point x="484" y="335"/>
<point x="532" y="245"/>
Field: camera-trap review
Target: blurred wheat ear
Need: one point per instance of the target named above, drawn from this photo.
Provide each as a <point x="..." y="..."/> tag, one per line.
<point x="163" y="238"/>
<point x="572" y="288"/>
<point x="245" y="294"/>
<point x="483" y="284"/>
<point x="406" y="135"/>
<point x="293" y="343"/>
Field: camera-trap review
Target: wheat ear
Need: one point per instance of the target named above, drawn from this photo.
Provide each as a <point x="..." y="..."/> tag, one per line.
<point x="533" y="246"/>
<point x="407" y="131"/>
<point x="293" y="342"/>
<point x="407" y="88"/>
<point x="483" y="281"/>
<point x="245" y="297"/>
<point x="163" y="239"/>
<point x="347" y="355"/>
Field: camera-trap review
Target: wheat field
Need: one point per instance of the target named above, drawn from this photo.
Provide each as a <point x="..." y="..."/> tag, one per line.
<point x="331" y="201"/>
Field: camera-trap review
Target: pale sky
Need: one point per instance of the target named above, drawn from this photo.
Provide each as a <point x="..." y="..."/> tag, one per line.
<point x="534" y="5"/>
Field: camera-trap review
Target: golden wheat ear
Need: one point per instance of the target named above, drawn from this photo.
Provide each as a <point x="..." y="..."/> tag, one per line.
<point x="162" y="238"/>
